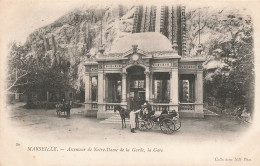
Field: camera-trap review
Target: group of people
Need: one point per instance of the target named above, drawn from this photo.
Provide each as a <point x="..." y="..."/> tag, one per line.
<point x="64" y="107"/>
<point x="145" y="113"/>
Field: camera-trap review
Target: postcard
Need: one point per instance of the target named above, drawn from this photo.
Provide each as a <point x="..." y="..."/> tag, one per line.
<point x="129" y="83"/>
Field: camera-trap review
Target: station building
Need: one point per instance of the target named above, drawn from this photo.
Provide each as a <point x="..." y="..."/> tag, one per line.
<point x="147" y="65"/>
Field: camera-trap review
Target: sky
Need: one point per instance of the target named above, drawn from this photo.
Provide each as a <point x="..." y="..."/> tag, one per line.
<point x="41" y="14"/>
<point x="33" y="15"/>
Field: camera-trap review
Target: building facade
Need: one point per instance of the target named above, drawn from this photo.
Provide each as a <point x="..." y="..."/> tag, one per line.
<point x="147" y="65"/>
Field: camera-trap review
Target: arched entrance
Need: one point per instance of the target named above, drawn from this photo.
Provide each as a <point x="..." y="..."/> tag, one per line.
<point x="135" y="87"/>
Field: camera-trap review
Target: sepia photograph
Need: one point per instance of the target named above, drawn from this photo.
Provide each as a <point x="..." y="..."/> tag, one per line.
<point x="129" y="83"/>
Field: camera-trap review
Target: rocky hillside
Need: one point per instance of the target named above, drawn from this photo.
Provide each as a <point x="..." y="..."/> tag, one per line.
<point x="218" y="27"/>
<point x="68" y="39"/>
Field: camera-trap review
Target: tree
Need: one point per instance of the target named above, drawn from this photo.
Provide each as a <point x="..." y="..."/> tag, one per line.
<point x="241" y="81"/>
<point x="235" y="87"/>
<point x="29" y="73"/>
<point x="18" y="67"/>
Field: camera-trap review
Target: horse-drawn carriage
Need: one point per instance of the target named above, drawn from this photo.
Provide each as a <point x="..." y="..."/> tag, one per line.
<point x="168" y="121"/>
<point x="63" y="108"/>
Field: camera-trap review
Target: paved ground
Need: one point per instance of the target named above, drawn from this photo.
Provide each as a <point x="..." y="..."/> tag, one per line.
<point x="45" y="123"/>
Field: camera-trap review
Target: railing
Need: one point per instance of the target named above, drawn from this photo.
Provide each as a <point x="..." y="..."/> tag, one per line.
<point x="187" y="106"/>
<point x="111" y="106"/>
<point x="160" y="107"/>
<point x="94" y="105"/>
<point x="155" y="106"/>
<point x="103" y="106"/>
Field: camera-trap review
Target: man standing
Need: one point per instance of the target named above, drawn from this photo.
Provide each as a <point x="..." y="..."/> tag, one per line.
<point x="132" y="119"/>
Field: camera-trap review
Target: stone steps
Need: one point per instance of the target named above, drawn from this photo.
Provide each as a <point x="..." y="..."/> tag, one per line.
<point x="116" y="119"/>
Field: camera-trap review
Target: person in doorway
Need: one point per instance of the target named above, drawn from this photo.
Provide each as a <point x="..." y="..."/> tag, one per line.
<point x="133" y="119"/>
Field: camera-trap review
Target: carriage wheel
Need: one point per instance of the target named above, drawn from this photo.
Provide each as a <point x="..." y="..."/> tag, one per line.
<point x="177" y="123"/>
<point x="167" y="126"/>
<point x="149" y="124"/>
<point x="141" y="125"/>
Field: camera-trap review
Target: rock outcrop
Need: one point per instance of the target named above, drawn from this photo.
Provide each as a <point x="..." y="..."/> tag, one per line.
<point x="68" y="39"/>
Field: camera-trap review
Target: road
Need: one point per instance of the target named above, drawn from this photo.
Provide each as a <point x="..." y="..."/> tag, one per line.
<point x="45" y="123"/>
<point x="197" y="140"/>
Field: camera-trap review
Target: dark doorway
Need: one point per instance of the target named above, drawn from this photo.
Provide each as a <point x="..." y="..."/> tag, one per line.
<point x="136" y="87"/>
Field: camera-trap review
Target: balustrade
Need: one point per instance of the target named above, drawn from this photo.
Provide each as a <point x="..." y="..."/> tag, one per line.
<point x="94" y="105"/>
<point x="159" y="107"/>
<point x="187" y="106"/>
<point x="110" y="107"/>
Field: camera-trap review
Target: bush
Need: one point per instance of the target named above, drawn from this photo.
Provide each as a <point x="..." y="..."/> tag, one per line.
<point x="40" y="105"/>
<point x="45" y="105"/>
<point x="76" y="105"/>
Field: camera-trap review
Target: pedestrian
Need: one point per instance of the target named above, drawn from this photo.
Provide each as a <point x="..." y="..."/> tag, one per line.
<point x="133" y="120"/>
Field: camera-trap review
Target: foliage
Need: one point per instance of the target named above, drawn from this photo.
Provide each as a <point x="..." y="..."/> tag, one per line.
<point x="46" y="105"/>
<point x="36" y="74"/>
<point x="241" y="82"/>
<point x="19" y="67"/>
<point x="235" y="87"/>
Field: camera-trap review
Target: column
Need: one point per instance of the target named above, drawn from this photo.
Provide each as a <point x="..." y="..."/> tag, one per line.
<point x="174" y="89"/>
<point x="105" y="87"/>
<point x="87" y="91"/>
<point x="147" y="87"/>
<point x="151" y="87"/>
<point x="199" y="87"/>
<point x="100" y="91"/>
<point x="199" y="95"/>
<point x="124" y="88"/>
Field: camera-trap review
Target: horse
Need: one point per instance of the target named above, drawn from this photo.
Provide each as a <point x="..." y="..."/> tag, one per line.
<point x="124" y="113"/>
<point x="65" y="108"/>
